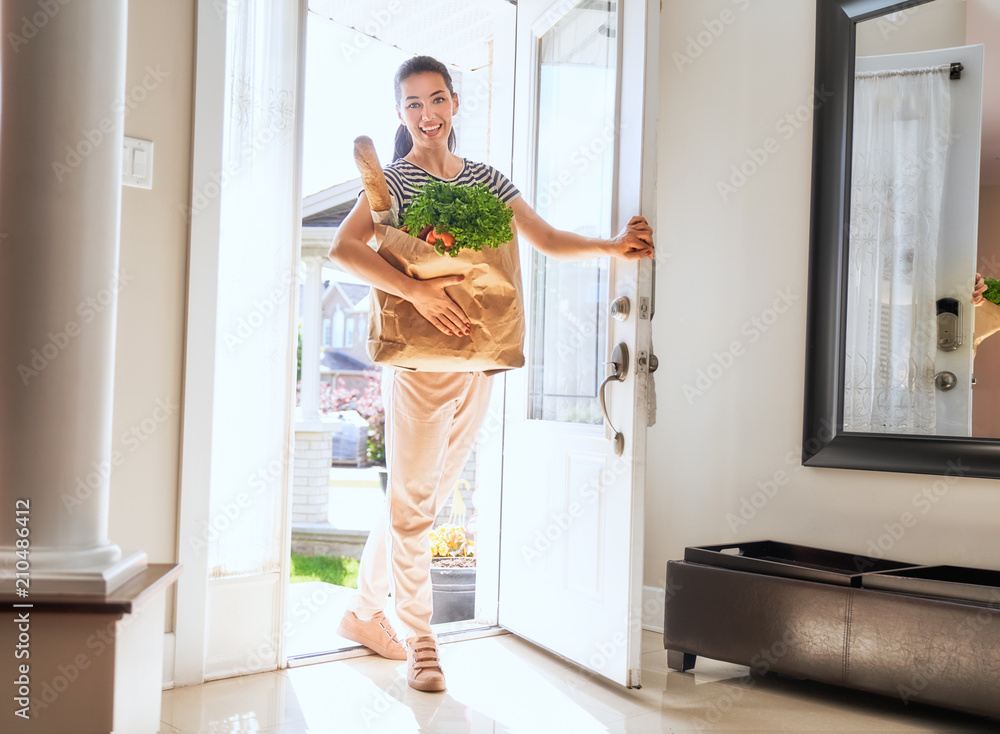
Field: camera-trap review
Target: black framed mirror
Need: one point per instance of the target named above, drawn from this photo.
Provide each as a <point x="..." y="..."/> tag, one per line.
<point x="826" y="443"/>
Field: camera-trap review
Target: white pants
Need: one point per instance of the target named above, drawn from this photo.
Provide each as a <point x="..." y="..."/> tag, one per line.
<point x="432" y="420"/>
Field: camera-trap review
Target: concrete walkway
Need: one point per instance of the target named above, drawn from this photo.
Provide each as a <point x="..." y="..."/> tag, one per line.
<point x="356" y="498"/>
<point x="356" y="504"/>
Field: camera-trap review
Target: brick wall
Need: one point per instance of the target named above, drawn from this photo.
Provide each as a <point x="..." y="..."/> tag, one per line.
<point x="311" y="490"/>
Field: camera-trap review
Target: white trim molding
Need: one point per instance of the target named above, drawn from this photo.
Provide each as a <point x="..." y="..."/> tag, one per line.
<point x="653" y="608"/>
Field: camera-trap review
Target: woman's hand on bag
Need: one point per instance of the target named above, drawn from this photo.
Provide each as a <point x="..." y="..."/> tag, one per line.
<point x="435" y="305"/>
<point x="635" y="241"/>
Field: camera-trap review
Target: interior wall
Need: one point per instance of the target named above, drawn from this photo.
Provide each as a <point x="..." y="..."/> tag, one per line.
<point x="986" y="368"/>
<point x="983" y="26"/>
<point x="734" y="164"/>
<point x="939" y="24"/>
<point x="154" y="246"/>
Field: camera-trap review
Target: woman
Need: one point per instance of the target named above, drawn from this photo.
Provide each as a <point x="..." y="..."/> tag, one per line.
<point x="431" y="418"/>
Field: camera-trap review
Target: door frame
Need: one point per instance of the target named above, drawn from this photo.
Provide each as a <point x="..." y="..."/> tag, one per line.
<point x="186" y="651"/>
<point x="187" y="646"/>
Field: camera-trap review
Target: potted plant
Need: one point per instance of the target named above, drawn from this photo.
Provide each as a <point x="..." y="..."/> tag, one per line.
<point x="453" y="574"/>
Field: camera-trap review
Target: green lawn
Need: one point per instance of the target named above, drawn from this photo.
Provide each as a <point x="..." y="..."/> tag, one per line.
<point x="331" y="569"/>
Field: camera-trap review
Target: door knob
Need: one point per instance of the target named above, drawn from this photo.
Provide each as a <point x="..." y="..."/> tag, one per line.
<point x="620" y="308"/>
<point x="619" y="359"/>
<point x="945" y="381"/>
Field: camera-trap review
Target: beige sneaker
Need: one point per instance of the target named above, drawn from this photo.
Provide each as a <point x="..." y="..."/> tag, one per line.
<point x="423" y="669"/>
<point x="375" y="634"/>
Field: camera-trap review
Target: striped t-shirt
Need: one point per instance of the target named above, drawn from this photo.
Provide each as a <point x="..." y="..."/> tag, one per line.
<point x="404" y="178"/>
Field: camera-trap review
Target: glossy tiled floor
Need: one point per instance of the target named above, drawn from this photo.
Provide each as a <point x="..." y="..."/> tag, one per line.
<point x="503" y="684"/>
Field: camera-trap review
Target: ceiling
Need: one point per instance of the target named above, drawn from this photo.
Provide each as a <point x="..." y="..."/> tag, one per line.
<point x="468" y="25"/>
<point x="463" y="26"/>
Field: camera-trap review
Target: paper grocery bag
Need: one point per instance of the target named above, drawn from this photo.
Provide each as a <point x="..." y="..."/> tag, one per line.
<point x="987" y="323"/>
<point x="490" y="296"/>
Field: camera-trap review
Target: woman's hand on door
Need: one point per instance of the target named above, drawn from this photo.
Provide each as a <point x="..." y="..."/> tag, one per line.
<point x="635" y="241"/>
<point x="978" y="290"/>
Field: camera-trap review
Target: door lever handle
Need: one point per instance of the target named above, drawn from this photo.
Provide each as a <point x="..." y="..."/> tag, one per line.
<point x="619" y="358"/>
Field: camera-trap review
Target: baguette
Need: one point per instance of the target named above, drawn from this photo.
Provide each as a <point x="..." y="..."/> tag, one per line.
<point x="371" y="174"/>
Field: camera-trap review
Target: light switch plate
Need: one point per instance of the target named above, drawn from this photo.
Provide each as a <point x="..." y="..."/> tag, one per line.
<point x="137" y="163"/>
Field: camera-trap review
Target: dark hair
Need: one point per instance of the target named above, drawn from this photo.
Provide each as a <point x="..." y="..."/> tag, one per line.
<point x="418" y="65"/>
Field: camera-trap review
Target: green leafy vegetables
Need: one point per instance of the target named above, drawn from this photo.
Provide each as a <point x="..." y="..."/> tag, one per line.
<point x="992" y="290"/>
<point x="472" y="215"/>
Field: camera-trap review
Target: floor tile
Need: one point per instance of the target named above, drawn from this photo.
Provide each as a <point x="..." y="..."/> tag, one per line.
<point x="244" y="703"/>
<point x="505" y="684"/>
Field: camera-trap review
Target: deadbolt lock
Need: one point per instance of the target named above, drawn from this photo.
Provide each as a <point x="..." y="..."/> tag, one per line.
<point x="620" y="308"/>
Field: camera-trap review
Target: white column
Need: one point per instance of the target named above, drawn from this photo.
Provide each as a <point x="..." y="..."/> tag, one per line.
<point x="313" y="430"/>
<point x="312" y="326"/>
<point x="62" y="129"/>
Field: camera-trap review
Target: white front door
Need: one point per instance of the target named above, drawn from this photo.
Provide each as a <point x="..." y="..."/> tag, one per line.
<point x="571" y="511"/>
<point x="956" y="256"/>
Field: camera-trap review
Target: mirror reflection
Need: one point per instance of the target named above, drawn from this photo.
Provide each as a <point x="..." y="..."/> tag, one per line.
<point x="920" y="351"/>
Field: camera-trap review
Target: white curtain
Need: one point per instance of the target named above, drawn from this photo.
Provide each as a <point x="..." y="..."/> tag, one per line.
<point x="258" y="266"/>
<point x="902" y="126"/>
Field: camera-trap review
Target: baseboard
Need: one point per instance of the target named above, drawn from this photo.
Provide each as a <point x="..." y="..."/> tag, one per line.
<point x="653" y="607"/>
<point x="169" y="641"/>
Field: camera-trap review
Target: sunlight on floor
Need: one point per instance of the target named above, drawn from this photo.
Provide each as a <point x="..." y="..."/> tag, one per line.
<point x="504" y="684"/>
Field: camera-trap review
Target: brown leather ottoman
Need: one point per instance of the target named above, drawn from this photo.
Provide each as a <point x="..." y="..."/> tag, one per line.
<point x="937" y="651"/>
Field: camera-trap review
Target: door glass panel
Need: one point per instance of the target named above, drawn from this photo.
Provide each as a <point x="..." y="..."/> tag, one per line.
<point x="574" y="189"/>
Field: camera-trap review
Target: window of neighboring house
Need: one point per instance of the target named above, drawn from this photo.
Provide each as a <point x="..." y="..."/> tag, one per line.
<point x="327" y="332"/>
<point x="350" y="333"/>
<point x="338" y="328"/>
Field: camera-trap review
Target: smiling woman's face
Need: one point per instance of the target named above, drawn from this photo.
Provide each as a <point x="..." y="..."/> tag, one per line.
<point x="426" y="108"/>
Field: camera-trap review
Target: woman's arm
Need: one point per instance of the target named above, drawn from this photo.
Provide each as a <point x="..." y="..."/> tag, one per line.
<point x="351" y="252"/>
<point x="634" y="243"/>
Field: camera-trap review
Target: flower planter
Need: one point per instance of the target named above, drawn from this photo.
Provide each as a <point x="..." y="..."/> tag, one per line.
<point x="454" y="592"/>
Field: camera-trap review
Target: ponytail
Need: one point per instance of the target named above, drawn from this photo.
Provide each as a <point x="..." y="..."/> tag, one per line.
<point x="403" y="145"/>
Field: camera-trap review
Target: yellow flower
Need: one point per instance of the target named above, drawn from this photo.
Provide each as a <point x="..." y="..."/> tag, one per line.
<point x="450" y="540"/>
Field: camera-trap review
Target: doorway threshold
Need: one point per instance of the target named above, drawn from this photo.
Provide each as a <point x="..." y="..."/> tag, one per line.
<point x="358" y="651"/>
